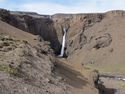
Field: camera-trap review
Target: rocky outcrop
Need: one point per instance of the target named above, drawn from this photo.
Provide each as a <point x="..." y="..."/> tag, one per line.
<point x="103" y="41"/>
<point x="115" y="13"/>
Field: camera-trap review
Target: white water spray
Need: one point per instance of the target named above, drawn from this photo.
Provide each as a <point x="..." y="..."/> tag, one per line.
<point x="63" y="43"/>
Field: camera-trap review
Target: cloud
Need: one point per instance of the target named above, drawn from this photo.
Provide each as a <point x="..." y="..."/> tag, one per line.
<point x="67" y="6"/>
<point x="81" y="6"/>
<point x="52" y="8"/>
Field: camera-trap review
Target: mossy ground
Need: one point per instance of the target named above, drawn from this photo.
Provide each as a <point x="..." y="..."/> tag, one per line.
<point x="108" y="68"/>
<point x="8" y="69"/>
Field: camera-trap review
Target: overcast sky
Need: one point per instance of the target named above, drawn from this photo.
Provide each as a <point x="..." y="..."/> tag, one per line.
<point x="63" y="6"/>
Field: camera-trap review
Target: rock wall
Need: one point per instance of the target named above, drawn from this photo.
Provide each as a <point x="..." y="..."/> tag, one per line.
<point x="76" y="24"/>
<point x="50" y="27"/>
<point x="33" y="23"/>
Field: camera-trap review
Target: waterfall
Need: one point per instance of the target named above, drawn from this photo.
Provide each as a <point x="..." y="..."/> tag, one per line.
<point x="63" y="43"/>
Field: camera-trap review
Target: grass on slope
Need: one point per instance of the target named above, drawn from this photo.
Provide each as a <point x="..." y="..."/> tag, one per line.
<point x="108" y="68"/>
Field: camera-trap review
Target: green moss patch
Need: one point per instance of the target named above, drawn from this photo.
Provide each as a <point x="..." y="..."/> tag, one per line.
<point x="8" y="69"/>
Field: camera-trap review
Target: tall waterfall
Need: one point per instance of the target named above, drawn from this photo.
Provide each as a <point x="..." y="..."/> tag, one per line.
<point x="63" y="43"/>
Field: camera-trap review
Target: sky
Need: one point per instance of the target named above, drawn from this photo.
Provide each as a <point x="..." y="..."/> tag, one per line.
<point x="63" y="6"/>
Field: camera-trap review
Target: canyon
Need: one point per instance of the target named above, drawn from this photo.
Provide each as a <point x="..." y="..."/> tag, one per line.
<point x="92" y="45"/>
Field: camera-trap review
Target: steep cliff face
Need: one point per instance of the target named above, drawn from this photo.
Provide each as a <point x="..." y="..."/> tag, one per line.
<point x="50" y="27"/>
<point x="76" y="24"/>
<point x="33" y="23"/>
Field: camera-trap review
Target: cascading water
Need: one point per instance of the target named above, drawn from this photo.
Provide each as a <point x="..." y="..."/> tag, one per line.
<point x="63" y="43"/>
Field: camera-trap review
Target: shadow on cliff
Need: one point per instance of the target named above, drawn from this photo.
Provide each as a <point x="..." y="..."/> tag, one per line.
<point x="70" y="76"/>
<point x="45" y="28"/>
<point x="103" y="90"/>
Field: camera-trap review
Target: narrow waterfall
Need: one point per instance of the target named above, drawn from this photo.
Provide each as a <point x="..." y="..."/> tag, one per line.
<point x="63" y="43"/>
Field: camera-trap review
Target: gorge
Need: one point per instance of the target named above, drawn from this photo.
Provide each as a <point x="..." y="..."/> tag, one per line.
<point x="31" y="45"/>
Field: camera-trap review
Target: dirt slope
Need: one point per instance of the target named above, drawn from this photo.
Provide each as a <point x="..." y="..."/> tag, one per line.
<point x="16" y="33"/>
